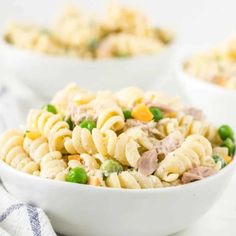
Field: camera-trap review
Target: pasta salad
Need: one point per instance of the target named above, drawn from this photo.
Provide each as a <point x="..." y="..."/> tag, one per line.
<point x="217" y="66"/>
<point x="127" y="139"/>
<point x="120" y="32"/>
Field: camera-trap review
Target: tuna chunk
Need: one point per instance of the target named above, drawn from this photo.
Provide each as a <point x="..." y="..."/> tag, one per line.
<point x="197" y="173"/>
<point x="169" y="143"/>
<point x="147" y="163"/>
<point x="79" y="113"/>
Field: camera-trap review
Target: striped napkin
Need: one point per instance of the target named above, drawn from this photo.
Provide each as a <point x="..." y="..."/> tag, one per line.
<point x="19" y="219"/>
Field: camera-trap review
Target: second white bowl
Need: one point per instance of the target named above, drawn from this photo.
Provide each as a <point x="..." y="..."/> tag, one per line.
<point x="217" y="102"/>
<point x="46" y="74"/>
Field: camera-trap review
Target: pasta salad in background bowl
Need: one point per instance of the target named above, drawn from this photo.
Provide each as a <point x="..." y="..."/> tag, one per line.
<point x="119" y="48"/>
<point x="208" y="75"/>
<point x="141" y="157"/>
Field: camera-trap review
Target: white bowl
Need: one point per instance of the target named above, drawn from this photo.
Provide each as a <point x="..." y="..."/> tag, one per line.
<point x="218" y="103"/>
<point x="88" y="211"/>
<point x="45" y="74"/>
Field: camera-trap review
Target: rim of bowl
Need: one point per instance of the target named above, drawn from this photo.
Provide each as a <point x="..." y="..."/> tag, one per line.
<point x="6" y="46"/>
<point x="184" y="54"/>
<point x="85" y="187"/>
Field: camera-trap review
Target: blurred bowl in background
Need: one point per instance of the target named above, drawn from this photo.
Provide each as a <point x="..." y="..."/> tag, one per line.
<point x="216" y="101"/>
<point x="45" y="74"/>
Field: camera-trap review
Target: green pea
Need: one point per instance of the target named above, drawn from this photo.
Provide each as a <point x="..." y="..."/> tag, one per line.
<point x="225" y="132"/>
<point x="88" y="124"/>
<point x="127" y="114"/>
<point x="77" y="175"/>
<point x="93" y="44"/>
<point x="70" y="123"/>
<point x="50" y="108"/>
<point x="45" y="31"/>
<point x="219" y="159"/>
<point x="230" y="145"/>
<point x="110" y="166"/>
<point x="121" y="54"/>
<point x="157" y="114"/>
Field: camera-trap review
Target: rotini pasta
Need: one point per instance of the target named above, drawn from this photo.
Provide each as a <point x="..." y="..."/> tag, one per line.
<point x="195" y="151"/>
<point x="129" y="139"/>
<point x="133" y="180"/>
<point x="130" y="96"/>
<point x="190" y="126"/>
<point x="36" y="148"/>
<point x="51" y="163"/>
<point x="51" y="126"/>
<point x="187" y="125"/>
<point x="109" y="114"/>
<point x="53" y="166"/>
<point x="123" y="148"/>
<point x="12" y="152"/>
<point x="122" y="32"/>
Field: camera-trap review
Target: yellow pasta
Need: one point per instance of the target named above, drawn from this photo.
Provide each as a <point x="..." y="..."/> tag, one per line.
<point x="132" y="180"/>
<point x="51" y="126"/>
<point x="12" y="152"/>
<point x="121" y="32"/>
<point x="123" y="148"/>
<point x="187" y="125"/>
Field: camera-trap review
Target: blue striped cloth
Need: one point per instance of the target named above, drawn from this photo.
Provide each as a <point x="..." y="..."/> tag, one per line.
<point x="20" y="219"/>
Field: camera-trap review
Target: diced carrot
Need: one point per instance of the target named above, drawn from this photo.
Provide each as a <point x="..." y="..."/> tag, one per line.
<point x="32" y="135"/>
<point x="74" y="157"/>
<point x="93" y="180"/>
<point x="219" y="80"/>
<point x="141" y="112"/>
<point x="228" y="159"/>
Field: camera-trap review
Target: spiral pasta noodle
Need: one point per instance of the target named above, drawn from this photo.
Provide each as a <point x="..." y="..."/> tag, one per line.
<point x="36" y="148"/>
<point x="196" y="150"/>
<point x="128" y="97"/>
<point x="123" y="148"/>
<point x="190" y="126"/>
<point x="158" y="98"/>
<point x="109" y="114"/>
<point x="72" y="93"/>
<point x="53" y="166"/>
<point x="167" y="126"/>
<point x="13" y="153"/>
<point x="187" y="125"/>
<point x="83" y="141"/>
<point x="51" y="163"/>
<point x="51" y="126"/>
<point x="132" y="180"/>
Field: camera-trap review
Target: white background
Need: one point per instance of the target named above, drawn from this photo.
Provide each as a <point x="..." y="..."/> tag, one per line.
<point x="196" y="22"/>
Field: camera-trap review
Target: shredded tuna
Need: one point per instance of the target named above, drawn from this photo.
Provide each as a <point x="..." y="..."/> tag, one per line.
<point x="149" y="127"/>
<point x="197" y="173"/>
<point x="79" y="113"/>
<point x="147" y="163"/>
<point x="169" y="143"/>
<point x="196" y="113"/>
